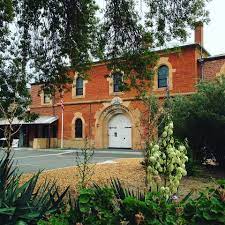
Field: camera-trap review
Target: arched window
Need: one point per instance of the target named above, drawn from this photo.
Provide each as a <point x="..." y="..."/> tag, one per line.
<point x="117" y="81"/>
<point x="78" y="128"/>
<point x="79" y="86"/>
<point x="163" y="75"/>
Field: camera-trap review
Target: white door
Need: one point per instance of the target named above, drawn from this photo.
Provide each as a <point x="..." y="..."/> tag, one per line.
<point x="119" y="131"/>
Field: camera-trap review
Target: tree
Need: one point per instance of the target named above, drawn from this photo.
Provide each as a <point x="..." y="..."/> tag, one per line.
<point x="129" y="45"/>
<point x="201" y="119"/>
<point x="14" y="98"/>
<point x="64" y="33"/>
<point x="14" y="94"/>
<point x="61" y="36"/>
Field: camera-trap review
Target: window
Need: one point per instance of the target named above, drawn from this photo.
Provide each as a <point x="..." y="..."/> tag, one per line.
<point x="117" y="81"/>
<point x="79" y="86"/>
<point x="47" y="98"/>
<point x="78" y="128"/>
<point x="163" y="75"/>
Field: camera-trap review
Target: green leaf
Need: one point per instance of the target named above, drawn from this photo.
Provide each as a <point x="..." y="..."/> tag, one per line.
<point x="21" y="223"/>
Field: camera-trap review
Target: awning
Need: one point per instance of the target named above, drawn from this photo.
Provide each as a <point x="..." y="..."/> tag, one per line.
<point x="39" y="120"/>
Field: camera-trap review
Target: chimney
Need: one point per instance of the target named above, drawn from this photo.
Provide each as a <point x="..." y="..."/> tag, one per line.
<point x="199" y="33"/>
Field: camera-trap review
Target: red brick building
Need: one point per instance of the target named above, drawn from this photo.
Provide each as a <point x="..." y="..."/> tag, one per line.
<point x="95" y="108"/>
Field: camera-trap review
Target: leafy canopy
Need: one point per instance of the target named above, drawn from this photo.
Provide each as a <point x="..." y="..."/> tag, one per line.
<point x="58" y="34"/>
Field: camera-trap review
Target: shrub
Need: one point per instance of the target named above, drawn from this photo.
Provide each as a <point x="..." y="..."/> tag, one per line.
<point x="154" y="210"/>
<point x="201" y="119"/>
<point x="208" y="208"/>
<point x="115" y="205"/>
<point x="25" y="204"/>
<point x="55" y="220"/>
<point x="94" y="206"/>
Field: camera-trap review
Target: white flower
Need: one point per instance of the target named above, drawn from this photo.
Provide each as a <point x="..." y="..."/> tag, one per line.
<point x="164" y="134"/>
<point x="170" y="131"/>
<point x="156" y="148"/>
<point x="182" y="148"/>
<point x="171" y="125"/>
<point x="152" y="159"/>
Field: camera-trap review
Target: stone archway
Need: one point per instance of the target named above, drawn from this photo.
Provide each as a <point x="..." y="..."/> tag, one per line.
<point x="102" y="121"/>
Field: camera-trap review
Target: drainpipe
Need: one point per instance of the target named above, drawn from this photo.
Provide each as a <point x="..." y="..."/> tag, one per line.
<point x="202" y="68"/>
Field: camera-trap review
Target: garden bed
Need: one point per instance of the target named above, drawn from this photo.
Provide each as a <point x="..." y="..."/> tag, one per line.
<point x="129" y="171"/>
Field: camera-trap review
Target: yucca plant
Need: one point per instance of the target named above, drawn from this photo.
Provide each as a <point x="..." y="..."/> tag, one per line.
<point x="122" y="192"/>
<point x="26" y="203"/>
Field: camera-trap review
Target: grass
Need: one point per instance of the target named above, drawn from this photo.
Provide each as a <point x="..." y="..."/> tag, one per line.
<point x="129" y="171"/>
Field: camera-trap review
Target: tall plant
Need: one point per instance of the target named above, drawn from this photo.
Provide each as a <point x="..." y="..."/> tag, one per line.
<point x="166" y="162"/>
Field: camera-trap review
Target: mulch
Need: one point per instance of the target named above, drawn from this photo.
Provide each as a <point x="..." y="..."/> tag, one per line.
<point x="129" y="171"/>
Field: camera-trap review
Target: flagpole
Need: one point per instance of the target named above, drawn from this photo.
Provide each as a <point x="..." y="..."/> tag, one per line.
<point x="62" y="126"/>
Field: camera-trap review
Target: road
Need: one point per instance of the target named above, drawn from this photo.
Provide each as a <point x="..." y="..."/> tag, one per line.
<point x="29" y="160"/>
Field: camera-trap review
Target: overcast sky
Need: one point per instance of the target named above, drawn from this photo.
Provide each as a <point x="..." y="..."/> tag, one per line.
<point x="214" y="32"/>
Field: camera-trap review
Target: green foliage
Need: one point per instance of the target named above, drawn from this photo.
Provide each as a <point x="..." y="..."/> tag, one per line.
<point x="55" y="220"/>
<point x="121" y="192"/>
<point x="27" y="203"/>
<point x="155" y="209"/>
<point x="59" y="34"/>
<point x="102" y="205"/>
<point x="208" y="208"/>
<point x="200" y="118"/>
<point x="13" y="90"/>
<point x="69" y="28"/>
<point x="128" y="43"/>
<point x="94" y="206"/>
<point x="168" y="19"/>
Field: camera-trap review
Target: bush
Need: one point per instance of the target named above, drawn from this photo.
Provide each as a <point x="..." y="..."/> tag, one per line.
<point x="94" y="206"/>
<point x="55" y="220"/>
<point x="208" y="208"/>
<point x="25" y="204"/>
<point x="201" y="119"/>
<point x="117" y="205"/>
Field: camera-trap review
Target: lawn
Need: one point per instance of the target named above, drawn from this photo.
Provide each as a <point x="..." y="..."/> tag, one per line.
<point x="129" y="171"/>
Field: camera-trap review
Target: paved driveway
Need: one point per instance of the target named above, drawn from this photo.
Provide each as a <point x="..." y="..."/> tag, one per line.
<point x="29" y="160"/>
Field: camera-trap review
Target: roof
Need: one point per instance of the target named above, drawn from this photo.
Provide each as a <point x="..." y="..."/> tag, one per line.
<point x="214" y="57"/>
<point x="39" y="120"/>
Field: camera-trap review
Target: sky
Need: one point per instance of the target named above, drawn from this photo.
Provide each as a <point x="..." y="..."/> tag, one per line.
<point x="214" y="32"/>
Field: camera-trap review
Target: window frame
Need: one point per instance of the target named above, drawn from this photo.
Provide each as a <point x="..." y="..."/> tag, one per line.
<point x="45" y="96"/>
<point x="78" y="133"/>
<point x="116" y="84"/>
<point x="162" y="79"/>
<point x="79" y="88"/>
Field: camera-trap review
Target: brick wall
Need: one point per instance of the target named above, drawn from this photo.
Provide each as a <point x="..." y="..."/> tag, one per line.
<point x="213" y="68"/>
<point x="184" y="77"/>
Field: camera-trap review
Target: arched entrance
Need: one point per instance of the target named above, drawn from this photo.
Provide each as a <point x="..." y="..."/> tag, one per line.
<point x="111" y="116"/>
<point x="119" y="132"/>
